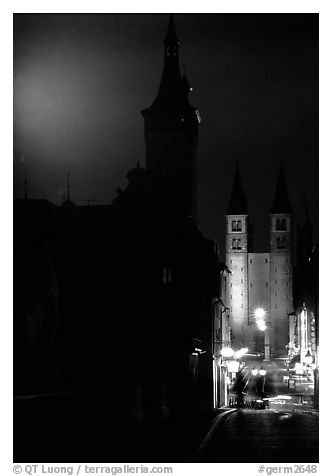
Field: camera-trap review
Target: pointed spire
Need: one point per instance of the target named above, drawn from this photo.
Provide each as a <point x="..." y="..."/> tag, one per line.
<point x="171" y="37"/>
<point x="281" y="202"/>
<point x="238" y="202"/>
<point x="171" y="93"/>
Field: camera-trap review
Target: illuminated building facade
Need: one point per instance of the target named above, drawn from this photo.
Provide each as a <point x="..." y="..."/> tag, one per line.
<point x="259" y="292"/>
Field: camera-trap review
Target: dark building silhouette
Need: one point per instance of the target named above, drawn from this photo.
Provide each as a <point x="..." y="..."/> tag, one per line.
<point x="118" y="298"/>
<point x="171" y="128"/>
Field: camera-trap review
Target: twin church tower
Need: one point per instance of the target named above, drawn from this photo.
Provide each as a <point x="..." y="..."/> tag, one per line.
<point x="259" y="289"/>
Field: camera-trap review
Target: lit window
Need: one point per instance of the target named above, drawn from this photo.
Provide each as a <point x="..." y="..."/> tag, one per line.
<point x="281" y="224"/>
<point x="236" y="225"/>
<point x="199" y="118"/>
<point x="236" y="244"/>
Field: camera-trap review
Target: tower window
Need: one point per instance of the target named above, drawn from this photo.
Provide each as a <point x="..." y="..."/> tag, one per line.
<point x="286" y="260"/>
<point x="241" y="281"/>
<point x="275" y="270"/>
<point x="281" y="224"/>
<point x="242" y="270"/>
<point x="236" y="225"/>
<point x="266" y="260"/>
<point x="236" y="244"/>
<point x="251" y="285"/>
<point x="276" y="293"/>
<point x="250" y="261"/>
<point x="281" y="242"/>
<point x="266" y="285"/>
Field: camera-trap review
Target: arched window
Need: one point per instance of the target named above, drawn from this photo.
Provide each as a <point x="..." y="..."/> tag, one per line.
<point x="236" y="244"/>
<point x="236" y="225"/>
<point x="281" y="224"/>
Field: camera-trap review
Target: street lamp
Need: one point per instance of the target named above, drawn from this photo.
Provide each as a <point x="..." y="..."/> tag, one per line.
<point x="260" y="316"/>
<point x="227" y="352"/>
<point x="262" y="372"/>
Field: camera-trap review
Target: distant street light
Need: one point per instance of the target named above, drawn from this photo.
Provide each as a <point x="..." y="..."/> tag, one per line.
<point x="261" y="321"/>
<point x="227" y="352"/>
<point x="240" y="353"/>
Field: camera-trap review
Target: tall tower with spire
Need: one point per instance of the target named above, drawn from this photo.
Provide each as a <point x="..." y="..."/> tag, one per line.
<point x="237" y="262"/>
<point x="281" y="266"/>
<point x="171" y="128"/>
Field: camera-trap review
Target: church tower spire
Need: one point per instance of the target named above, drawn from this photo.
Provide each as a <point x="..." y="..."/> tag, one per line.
<point x="281" y="203"/>
<point x="238" y="202"/>
<point x="237" y="262"/>
<point x="281" y="266"/>
<point x="171" y="129"/>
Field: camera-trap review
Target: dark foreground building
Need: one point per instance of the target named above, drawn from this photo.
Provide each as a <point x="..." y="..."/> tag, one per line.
<point x="113" y="304"/>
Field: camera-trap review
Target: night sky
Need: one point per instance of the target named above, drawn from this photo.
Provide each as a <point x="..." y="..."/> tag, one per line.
<point x="80" y="82"/>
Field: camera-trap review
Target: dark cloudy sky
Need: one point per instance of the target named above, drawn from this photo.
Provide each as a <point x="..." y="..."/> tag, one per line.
<point x="80" y="82"/>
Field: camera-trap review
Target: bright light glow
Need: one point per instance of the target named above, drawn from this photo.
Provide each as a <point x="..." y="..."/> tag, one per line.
<point x="262" y="372"/>
<point x="260" y="314"/>
<point x="254" y="371"/>
<point x="261" y="325"/>
<point x="233" y="366"/>
<point x="227" y="352"/>
<point x="240" y="353"/>
<point x="280" y="397"/>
